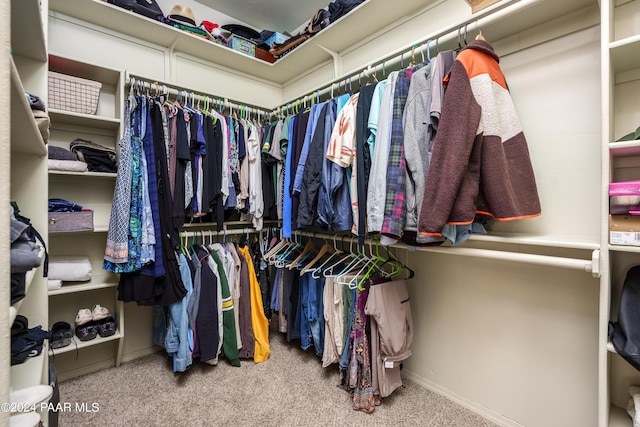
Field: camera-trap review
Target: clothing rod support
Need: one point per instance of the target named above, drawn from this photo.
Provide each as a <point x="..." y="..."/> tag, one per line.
<point x="449" y="33"/>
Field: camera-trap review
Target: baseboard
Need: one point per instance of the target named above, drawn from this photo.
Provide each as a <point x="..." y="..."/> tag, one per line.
<point x="462" y="401"/>
<point x="95" y="367"/>
<point x="85" y="369"/>
<point x="140" y="353"/>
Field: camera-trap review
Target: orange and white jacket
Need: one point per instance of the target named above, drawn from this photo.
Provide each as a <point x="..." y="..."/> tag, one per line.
<point x="480" y="162"/>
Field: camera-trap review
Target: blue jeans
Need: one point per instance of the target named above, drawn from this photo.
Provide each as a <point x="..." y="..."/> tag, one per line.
<point x="312" y="319"/>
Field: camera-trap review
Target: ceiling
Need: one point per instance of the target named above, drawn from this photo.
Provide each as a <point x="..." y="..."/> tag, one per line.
<point x="275" y="15"/>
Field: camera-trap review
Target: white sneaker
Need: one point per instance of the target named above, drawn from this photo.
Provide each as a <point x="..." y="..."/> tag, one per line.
<point x="99" y="312"/>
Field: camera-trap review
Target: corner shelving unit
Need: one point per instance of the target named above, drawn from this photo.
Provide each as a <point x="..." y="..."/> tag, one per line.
<point x="620" y="26"/>
<point x="28" y="184"/>
<point x="376" y="13"/>
<point x="92" y="190"/>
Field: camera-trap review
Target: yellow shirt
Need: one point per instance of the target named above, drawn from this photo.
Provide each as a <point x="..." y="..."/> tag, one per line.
<point x="259" y="321"/>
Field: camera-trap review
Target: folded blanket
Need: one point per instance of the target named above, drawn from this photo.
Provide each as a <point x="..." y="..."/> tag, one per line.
<point x="98" y="157"/>
<point x="70" y="268"/>
<point x="66" y="165"/>
<point x="59" y="153"/>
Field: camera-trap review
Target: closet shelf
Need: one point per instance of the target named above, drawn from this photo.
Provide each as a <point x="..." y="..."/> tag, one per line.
<point x="96" y="229"/>
<point x="71" y="289"/>
<point x="619" y="417"/>
<point x="27" y="40"/>
<point x="84" y="344"/>
<point x="80" y="119"/>
<point x="625" y="148"/>
<point x="624" y="54"/>
<point x="30" y="371"/>
<point x="25" y="136"/>
<point x="78" y="68"/>
<point x="31" y="274"/>
<point x="337" y="37"/>
<point x="621" y="248"/>
<point x="72" y="176"/>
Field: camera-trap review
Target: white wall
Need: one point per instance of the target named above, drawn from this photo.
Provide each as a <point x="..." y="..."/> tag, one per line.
<point x="520" y="340"/>
<point x="5" y="147"/>
<point x="99" y="45"/>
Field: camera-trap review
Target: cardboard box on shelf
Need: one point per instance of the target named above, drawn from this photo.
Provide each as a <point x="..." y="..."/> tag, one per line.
<point x="624" y="230"/>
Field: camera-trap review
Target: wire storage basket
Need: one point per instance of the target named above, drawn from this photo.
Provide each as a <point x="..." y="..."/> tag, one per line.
<point x="71" y="93"/>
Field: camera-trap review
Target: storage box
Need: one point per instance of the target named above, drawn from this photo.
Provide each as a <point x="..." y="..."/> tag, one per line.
<point x="242" y="45"/>
<point x="265" y="55"/>
<point x="60" y="222"/>
<point x="276" y="38"/>
<point x="72" y="93"/>
<point x="624" y="230"/>
<point x="624" y="198"/>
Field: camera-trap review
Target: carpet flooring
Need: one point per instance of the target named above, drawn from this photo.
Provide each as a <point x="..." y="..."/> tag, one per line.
<point x="290" y="389"/>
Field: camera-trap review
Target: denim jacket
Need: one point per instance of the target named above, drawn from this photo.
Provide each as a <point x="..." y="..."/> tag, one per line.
<point x="176" y="341"/>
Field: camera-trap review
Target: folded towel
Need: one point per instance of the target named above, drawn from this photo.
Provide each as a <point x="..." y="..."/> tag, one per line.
<point x="70" y="269"/>
<point x="66" y="165"/>
<point x="59" y="153"/>
<point x="54" y="284"/>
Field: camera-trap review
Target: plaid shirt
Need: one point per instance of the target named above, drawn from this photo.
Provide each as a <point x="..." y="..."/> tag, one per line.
<point x="395" y="209"/>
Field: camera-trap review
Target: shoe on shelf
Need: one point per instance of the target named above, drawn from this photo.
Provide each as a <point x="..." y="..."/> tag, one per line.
<point x="107" y="326"/>
<point x="28" y="399"/>
<point x="88" y="331"/>
<point x="84" y="316"/>
<point x="25" y="419"/>
<point x="61" y="335"/>
<point x="99" y="312"/>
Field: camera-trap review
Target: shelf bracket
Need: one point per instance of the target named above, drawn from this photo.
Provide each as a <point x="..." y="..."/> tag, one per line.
<point x="595" y="263"/>
<point x="337" y="63"/>
<point x="171" y="59"/>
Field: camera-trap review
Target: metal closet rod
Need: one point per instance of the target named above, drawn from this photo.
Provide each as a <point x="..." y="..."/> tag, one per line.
<point x="457" y="31"/>
<point x="210" y="233"/>
<point x="190" y="96"/>
<point x="545" y="260"/>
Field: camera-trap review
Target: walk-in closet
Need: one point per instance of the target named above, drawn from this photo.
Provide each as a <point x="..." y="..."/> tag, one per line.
<point x="421" y="212"/>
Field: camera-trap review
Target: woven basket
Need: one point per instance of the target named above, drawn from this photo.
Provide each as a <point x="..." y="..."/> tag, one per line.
<point x="72" y="93"/>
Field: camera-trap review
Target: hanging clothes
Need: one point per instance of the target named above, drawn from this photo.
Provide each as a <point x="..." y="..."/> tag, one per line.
<point x="207" y="334"/>
<point x="395" y="208"/>
<point x="177" y="338"/>
<point x="479" y="164"/>
<point x="245" y="310"/>
<point x="376" y="191"/>
<point x="363" y="159"/>
<point x="342" y="152"/>
<point x="357" y="377"/>
<point x="229" y="340"/>
<point x="389" y="311"/>
<point x="117" y="250"/>
<point x="310" y="177"/>
<point x="158" y="282"/>
<point x="259" y="322"/>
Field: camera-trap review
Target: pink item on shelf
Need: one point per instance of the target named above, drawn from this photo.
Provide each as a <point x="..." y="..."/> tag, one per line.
<point x="624" y="198"/>
<point x="624" y="188"/>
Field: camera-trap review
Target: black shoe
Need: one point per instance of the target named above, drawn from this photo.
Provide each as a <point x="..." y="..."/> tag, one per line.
<point x="107" y="326"/>
<point x="88" y="331"/>
<point x="61" y="335"/>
